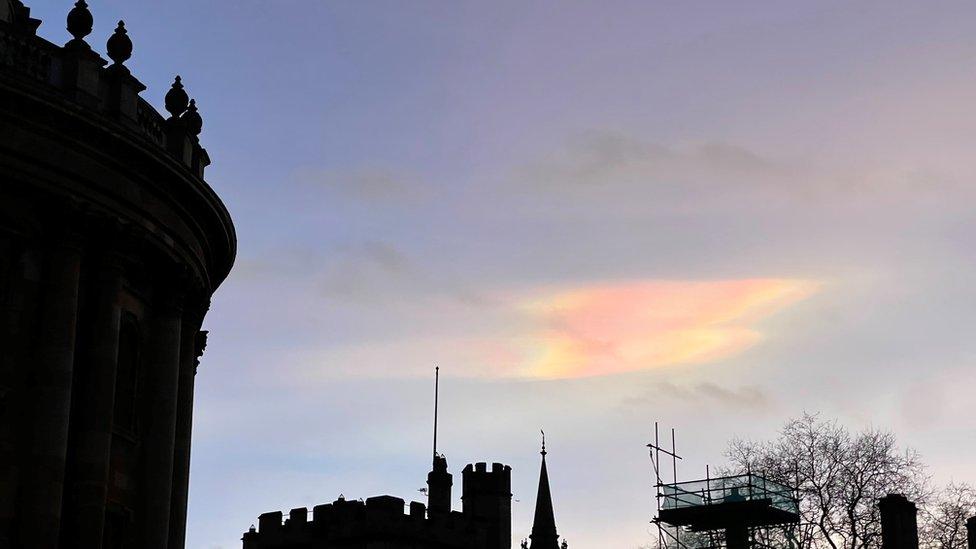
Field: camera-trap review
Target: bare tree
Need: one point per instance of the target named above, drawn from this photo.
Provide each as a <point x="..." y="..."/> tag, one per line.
<point x="839" y="477"/>
<point x="944" y="519"/>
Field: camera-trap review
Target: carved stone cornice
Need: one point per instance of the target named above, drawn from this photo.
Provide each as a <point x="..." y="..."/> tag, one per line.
<point x="196" y="308"/>
<point x="200" y="342"/>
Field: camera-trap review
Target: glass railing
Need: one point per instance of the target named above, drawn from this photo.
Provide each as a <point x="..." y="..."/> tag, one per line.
<point x="714" y="491"/>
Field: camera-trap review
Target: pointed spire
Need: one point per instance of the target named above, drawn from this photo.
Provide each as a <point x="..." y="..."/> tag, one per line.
<point x="80" y="22"/>
<point x="544" y="534"/>
<point x="119" y="45"/>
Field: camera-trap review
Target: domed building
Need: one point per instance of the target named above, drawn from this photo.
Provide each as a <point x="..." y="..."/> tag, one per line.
<point x="111" y="245"/>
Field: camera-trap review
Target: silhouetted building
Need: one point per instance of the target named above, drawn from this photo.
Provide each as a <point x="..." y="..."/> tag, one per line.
<point x="733" y="506"/>
<point x="544" y="534"/>
<point x="899" y="522"/>
<point x="111" y="245"/>
<point x="439" y="486"/>
<point x="386" y="522"/>
<point x="383" y="522"/>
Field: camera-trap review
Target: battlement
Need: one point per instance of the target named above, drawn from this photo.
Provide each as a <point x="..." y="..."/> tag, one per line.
<point x="478" y="479"/>
<point x="481" y="468"/>
<point x="77" y="83"/>
<point x="379" y="516"/>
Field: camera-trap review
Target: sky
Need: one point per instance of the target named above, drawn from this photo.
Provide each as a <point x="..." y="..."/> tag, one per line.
<point x="590" y="215"/>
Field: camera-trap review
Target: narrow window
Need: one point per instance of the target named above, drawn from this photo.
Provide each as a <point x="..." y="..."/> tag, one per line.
<point x="127" y="377"/>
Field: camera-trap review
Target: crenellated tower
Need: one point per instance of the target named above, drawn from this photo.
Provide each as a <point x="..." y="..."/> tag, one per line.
<point x="487" y="498"/>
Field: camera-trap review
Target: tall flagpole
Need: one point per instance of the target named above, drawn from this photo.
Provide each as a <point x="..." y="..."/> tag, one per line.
<point x="437" y="379"/>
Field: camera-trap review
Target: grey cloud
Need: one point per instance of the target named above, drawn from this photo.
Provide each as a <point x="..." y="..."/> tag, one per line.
<point x="371" y="185"/>
<point x="602" y="165"/>
<point x="378" y="270"/>
<point x="601" y="160"/>
<point x="747" y="398"/>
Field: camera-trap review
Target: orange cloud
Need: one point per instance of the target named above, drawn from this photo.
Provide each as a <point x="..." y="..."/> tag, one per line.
<point x="624" y="327"/>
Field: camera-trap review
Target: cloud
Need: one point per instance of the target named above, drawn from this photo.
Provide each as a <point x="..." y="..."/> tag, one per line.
<point x="614" y="328"/>
<point x="695" y="177"/>
<point x="374" y="186"/>
<point x="603" y="162"/>
<point x="748" y="398"/>
<point x="565" y="332"/>
<point x="361" y="270"/>
<point x="379" y="271"/>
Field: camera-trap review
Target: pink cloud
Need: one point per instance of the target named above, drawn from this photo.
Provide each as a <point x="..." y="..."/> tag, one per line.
<point x="613" y="328"/>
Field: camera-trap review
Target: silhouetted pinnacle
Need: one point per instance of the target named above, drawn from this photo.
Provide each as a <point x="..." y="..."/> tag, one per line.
<point x="119" y="45"/>
<point x="544" y="534"/>
<point x="192" y="119"/>
<point x="176" y="99"/>
<point x="80" y="22"/>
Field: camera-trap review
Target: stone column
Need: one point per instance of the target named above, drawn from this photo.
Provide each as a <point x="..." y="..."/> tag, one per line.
<point x="162" y="366"/>
<point x="51" y="395"/>
<point x="12" y="390"/>
<point x="91" y="441"/>
<point x="193" y="343"/>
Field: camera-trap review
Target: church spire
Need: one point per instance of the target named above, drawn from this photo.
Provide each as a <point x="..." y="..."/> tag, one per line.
<point x="544" y="524"/>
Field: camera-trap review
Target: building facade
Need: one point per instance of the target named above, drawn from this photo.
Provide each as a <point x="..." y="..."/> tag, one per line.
<point x="111" y="245"/>
<point x="386" y="522"/>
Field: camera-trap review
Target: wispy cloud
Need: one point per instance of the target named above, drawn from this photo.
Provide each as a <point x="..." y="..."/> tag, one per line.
<point x="623" y="327"/>
<point x="374" y="186"/>
<point x="745" y="398"/>
<point x="600" y="165"/>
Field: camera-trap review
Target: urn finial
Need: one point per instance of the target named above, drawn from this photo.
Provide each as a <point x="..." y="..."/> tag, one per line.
<point x="119" y="45"/>
<point x="80" y="21"/>
<point x="192" y="119"/>
<point x="176" y="99"/>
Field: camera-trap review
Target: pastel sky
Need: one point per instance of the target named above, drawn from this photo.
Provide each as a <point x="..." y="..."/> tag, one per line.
<point x="590" y="215"/>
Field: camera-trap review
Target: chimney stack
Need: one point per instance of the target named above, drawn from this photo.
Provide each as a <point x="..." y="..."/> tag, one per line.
<point x="899" y="525"/>
<point x="971" y="532"/>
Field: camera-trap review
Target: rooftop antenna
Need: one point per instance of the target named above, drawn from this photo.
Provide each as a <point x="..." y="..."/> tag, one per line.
<point x="437" y="381"/>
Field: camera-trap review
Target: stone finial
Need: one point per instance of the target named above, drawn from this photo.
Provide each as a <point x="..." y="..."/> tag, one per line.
<point x="119" y="45"/>
<point x="176" y="99"/>
<point x="7" y="10"/>
<point x="80" y="21"/>
<point x="192" y="119"/>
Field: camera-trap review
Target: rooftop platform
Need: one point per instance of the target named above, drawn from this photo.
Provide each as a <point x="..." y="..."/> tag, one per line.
<point x="719" y="503"/>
